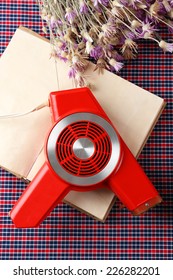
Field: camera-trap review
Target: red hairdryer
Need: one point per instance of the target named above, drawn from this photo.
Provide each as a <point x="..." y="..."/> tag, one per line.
<point x="83" y="152"/>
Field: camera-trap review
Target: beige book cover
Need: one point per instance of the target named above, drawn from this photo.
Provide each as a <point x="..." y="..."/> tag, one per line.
<point x="27" y="76"/>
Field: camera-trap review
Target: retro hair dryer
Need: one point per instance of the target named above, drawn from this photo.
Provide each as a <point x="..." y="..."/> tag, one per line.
<point x="83" y="152"/>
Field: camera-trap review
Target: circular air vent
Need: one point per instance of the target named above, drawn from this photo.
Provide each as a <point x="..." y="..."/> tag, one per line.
<point x="83" y="149"/>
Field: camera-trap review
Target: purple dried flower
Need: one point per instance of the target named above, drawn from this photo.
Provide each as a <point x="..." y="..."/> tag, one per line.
<point x="72" y="72"/>
<point x="101" y="29"/>
<point x="131" y="3"/>
<point x="147" y="29"/>
<point x="116" y="65"/>
<point x="70" y="15"/>
<point x="102" y="2"/>
<point x="165" y="6"/>
<point x="130" y="44"/>
<point x="96" y="52"/>
<point x="61" y="45"/>
<point x="53" y="22"/>
<point x="79" y="63"/>
<point x="129" y="34"/>
<point x="62" y="57"/>
<point x="80" y="80"/>
<point x="108" y="30"/>
<point x="83" y="7"/>
<point x="167" y="47"/>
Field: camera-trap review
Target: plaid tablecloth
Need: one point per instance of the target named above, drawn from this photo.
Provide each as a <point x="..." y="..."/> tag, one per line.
<point x="68" y="234"/>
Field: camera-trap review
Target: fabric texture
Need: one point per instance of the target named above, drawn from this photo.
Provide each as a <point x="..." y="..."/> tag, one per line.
<point x="69" y="234"/>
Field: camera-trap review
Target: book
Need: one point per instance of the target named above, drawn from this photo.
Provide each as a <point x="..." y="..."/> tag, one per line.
<point x="27" y="76"/>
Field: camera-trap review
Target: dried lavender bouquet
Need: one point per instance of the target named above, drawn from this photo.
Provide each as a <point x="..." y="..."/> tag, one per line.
<point x="105" y="31"/>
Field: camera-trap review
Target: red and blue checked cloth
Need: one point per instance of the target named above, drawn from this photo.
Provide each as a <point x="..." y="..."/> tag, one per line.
<point x="68" y="234"/>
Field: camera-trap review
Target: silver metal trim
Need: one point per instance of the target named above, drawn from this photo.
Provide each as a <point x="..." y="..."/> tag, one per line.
<point x="78" y="180"/>
<point x="83" y="148"/>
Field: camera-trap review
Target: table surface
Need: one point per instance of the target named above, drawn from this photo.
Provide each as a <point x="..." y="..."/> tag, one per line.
<point x="69" y="234"/>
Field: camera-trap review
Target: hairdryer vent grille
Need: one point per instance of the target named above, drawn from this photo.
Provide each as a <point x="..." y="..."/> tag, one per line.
<point x="83" y="148"/>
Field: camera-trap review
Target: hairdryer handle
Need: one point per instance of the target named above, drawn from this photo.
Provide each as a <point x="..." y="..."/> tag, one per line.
<point x="132" y="186"/>
<point x="39" y="198"/>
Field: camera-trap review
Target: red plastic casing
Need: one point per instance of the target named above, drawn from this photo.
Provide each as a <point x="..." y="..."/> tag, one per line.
<point x="128" y="181"/>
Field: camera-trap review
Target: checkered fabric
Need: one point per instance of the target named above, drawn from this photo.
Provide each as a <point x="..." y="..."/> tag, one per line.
<point x="68" y="234"/>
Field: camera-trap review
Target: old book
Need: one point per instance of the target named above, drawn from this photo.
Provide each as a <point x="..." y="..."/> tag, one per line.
<point x="27" y="76"/>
